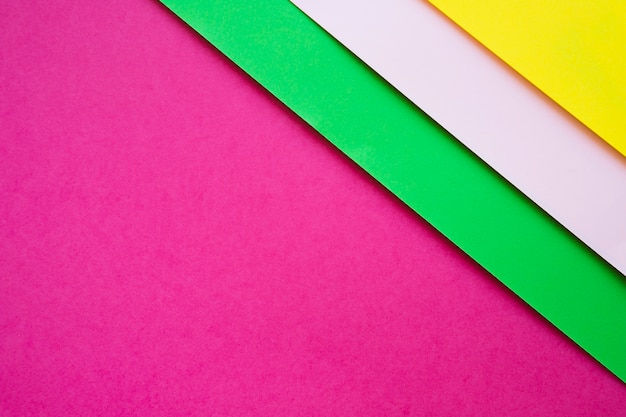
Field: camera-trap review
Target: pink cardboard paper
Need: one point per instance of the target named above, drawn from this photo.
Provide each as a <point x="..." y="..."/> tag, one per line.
<point x="173" y="241"/>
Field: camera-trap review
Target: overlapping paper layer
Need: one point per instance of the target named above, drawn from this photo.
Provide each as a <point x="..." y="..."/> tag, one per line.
<point x="424" y="166"/>
<point x="176" y="241"/>
<point x="542" y="150"/>
<point x="574" y="51"/>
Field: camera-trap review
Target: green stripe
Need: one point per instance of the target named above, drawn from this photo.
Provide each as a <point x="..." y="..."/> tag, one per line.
<point x="423" y="165"/>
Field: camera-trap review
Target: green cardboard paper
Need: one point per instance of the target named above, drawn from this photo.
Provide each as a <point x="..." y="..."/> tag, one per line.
<point x="423" y="165"/>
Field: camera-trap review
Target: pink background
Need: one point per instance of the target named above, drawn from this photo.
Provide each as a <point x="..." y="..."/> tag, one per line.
<point x="173" y="241"/>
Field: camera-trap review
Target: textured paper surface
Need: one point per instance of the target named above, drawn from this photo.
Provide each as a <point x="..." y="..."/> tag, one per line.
<point x="424" y="166"/>
<point x="174" y="241"/>
<point x="573" y="51"/>
<point x="546" y="153"/>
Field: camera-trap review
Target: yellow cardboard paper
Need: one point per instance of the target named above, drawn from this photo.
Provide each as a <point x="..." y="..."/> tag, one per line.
<point x="574" y="51"/>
